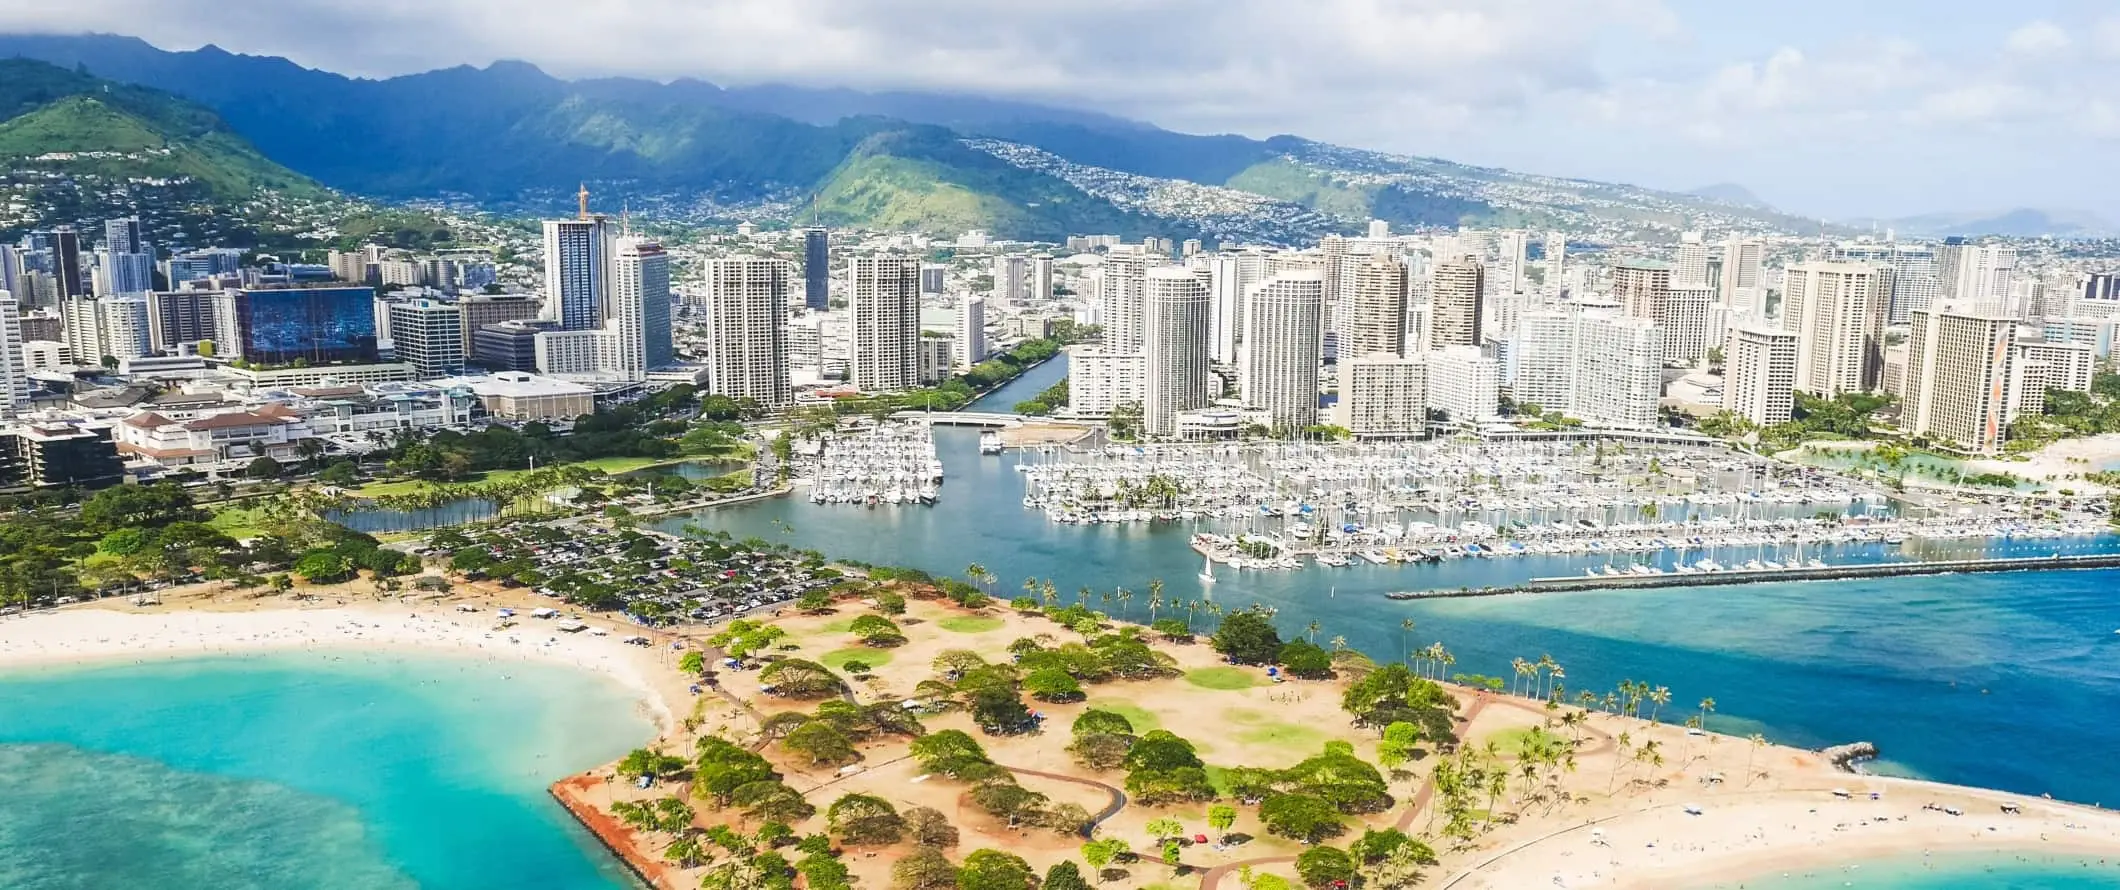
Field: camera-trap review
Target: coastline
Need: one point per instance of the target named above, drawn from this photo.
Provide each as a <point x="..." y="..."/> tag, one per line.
<point x="110" y="632"/>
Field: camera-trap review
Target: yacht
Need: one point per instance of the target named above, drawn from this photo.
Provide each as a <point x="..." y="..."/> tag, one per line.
<point x="1207" y="572"/>
<point x="989" y="442"/>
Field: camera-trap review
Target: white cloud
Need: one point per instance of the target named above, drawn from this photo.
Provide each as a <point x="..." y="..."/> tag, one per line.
<point x="2038" y="38"/>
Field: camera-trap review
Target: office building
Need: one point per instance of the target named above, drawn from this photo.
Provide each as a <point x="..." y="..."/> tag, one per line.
<point x="317" y="325"/>
<point x="1456" y="292"/>
<point x="65" y="264"/>
<point x="1175" y="329"/>
<point x="480" y="310"/>
<point x="971" y="332"/>
<point x="1384" y="396"/>
<point x="1958" y="377"/>
<point x="1759" y="376"/>
<point x="1837" y="312"/>
<point x="577" y="271"/>
<point x="885" y="305"/>
<point x="509" y="345"/>
<point x="14" y="359"/>
<point x="190" y="316"/>
<point x="1464" y="384"/>
<point x="429" y="336"/>
<point x="1099" y="381"/>
<point x="212" y="262"/>
<point x="124" y="273"/>
<point x="1283" y="320"/>
<point x="122" y="235"/>
<point x="816" y="269"/>
<point x="1744" y="277"/>
<point x="745" y="300"/>
<point x="1377" y="320"/>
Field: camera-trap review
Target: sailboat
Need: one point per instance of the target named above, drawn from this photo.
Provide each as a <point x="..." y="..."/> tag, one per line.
<point x="1207" y="572"/>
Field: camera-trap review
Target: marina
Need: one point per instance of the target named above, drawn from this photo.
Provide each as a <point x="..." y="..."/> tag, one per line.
<point x="886" y="465"/>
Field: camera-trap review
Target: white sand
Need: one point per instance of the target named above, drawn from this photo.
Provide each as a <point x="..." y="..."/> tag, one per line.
<point x="2055" y="463"/>
<point x="96" y="634"/>
<point x="1741" y="835"/>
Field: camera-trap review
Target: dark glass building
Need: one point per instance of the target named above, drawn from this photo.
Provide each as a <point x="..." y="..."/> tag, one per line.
<point x="312" y="324"/>
<point x="816" y="269"/>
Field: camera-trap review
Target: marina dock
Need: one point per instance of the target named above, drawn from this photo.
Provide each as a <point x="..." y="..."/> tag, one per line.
<point x="1795" y="573"/>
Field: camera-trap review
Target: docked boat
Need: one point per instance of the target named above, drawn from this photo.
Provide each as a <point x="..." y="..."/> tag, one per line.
<point x="989" y="442"/>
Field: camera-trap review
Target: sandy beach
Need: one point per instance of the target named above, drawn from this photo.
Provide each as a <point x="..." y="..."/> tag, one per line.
<point x="2057" y="462"/>
<point x="113" y="632"/>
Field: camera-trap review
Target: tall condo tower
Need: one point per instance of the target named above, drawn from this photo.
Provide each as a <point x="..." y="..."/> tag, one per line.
<point x="1281" y="324"/>
<point x="746" y="303"/>
<point x="886" y="330"/>
<point x="1175" y="334"/>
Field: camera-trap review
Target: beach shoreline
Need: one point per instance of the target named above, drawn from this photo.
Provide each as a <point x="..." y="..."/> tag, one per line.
<point x="110" y="633"/>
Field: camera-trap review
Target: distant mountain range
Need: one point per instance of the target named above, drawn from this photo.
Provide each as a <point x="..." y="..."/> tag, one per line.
<point x="2023" y="222"/>
<point x="510" y="136"/>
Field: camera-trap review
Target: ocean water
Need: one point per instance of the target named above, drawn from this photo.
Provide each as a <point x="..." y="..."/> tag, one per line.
<point x="347" y="770"/>
<point x="1981" y="871"/>
<point x="2006" y="681"/>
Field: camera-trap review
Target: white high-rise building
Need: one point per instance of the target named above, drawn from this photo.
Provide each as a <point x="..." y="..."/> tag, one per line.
<point x="1958" y="377"/>
<point x="124" y="273"/>
<point x="1456" y="291"/>
<point x="1282" y="330"/>
<point x="1120" y="295"/>
<point x="1174" y="334"/>
<point x="1759" y="380"/>
<point x="1692" y="266"/>
<point x="14" y="363"/>
<point x="1377" y="322"/>
<point x="1837" y="312"/>
<point x="1098" y="381"/>
<point x="1011" y="280"/>
<point x="428" y="335"/>
<point x="110" y="327"/>
<point x="971" y="332"/>
<point x="1225" y="307"/>
<point x="1384" y="396"/>
<point x="1041" y="279"/>
<point x="1464" y="384"/>
<point x="577" y="271"/>
<point x="1916" y="282"/>
<point x="639" y="309"/>
<point x="1556" y="262"/>
<point x="746" y="303"/>
<point x="1590" y="362"/>
<point x="1379" y="230"/>
<point x="1744" y="276"/>
<point x="1976" y="274"/>
<point x="886" y="335"/>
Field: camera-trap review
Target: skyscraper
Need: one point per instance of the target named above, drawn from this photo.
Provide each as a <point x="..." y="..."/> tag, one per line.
<point x="971" y="332"/>
<point x="886" y="331"/>
<point x="1011" y="280"/>
<point x="122" y="235"/>
<point x="1120" y="296"/>
<point x="1377" y="322"/>
<point x="190" y="316"/>
<point x="1692" y="266"/>
<point x="1283" y="329"/>
<point x="1386" y="396"/>
<point x="1760" y="381"/>
<point x="1175" y="331"/>
<point x="66" y="263"/>
<point x="816" y="269"/>
<point x="14" y="368"/>
<point x="428" y="335"/>
<point x="1744" y="284"/>
<point x="1837" y="311"/>
<point x="1958" y="376"/>
<point x="1978" y="274"/>
<point x="577" y="271"/>
<point x="746" y="303"/>
<point x="127" y="260"/>
<point x="1591" y="362"/>
<point x="1916" y="282"/>
<point x="639" y="309"/>
<point x="1456" y="292"/>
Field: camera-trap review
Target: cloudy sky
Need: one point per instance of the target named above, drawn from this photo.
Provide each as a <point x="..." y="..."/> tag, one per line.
<point x="1848" y="108"/>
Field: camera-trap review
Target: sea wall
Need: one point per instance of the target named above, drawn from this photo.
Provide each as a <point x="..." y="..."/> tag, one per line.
<point x="570" y="792"/>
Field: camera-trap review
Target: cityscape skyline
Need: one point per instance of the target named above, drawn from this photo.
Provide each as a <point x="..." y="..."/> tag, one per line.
<point x="1992" y="110"/>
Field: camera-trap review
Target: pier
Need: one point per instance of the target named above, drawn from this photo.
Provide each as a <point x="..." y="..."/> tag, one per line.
<point x="1794" y="573"/>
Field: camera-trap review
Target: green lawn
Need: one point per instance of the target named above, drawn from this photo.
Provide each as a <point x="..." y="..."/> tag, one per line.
<point x="1260" y="728"/>
<point x="837" y="659"/>
<point x="843" y="625"/>
<point x="237" y="522"/>
<point x="1144" y="721"/>
<point x="1509" y="741"/>
<point x="1224" y="678"/>
<point x="611" y="465"/>
<point x="970" y="624"/>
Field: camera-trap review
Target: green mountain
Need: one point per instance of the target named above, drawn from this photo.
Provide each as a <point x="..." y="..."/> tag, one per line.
<point x="56" y="120"/>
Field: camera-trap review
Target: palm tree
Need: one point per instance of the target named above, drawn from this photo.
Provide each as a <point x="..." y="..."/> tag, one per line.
<point x="977" y="573"/>
<point x="1339" y="644"/>
<point x="1658" y="698"/>
<point x="1707" y="706"/>
<point x="1155" y="598"/>
<point x="1082" y="596"/>
<point x="1405" y="627"/>
<point x="1313" y="631"/>
<point x="1051" y="593"/>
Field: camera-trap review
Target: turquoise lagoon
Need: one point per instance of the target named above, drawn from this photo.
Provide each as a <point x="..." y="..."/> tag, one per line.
<point x="350" y="770"/>
<point x="1951" y="871"/>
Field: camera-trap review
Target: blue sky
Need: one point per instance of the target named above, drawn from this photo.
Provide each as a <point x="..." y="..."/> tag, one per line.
<point x="1851" y="109"/>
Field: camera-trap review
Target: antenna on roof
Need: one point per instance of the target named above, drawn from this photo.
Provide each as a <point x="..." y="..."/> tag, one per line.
<point x="583" y="197"/>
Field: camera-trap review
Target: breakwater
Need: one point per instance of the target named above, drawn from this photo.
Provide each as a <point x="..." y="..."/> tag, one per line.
<point x="1796" y="573"/>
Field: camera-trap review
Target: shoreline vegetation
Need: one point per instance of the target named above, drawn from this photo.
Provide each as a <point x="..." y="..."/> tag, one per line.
<point x="964" y="742"/>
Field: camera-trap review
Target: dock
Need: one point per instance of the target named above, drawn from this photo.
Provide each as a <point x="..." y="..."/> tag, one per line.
<point x="1769" y="576"/>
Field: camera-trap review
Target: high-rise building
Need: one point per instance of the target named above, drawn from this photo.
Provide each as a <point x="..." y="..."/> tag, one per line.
<point x="14" y="364"/>
<point x="1385" y="396"/>
<point x="1011" y="280"/>
<point x="745" y="299"/>
<point x="124" y="273"/>
<point x="275" y="326"/>
<point x="971" y="332"/>
<point x="1556" y="261"/>
<point x="1041" y="279"/>
<point x="1759" y="378"/>
<point x="1378" y="320"/>
<point x="1175" y="331"/>
<point x="886" y="331"/>
<point x="577" y="271"/>
<point x="1744" y="276"/>
<point x="640" y="309"/>
<point x="1099" y="381"/>
<point x="429" y="336"/>
<point x="1692" y="265"/>
<point x="1456" y="292"/>
<point x="1464" y="384"/>
<point x="1283" y="330"/>
<point x="1915" y="282"/>
<point x="1590" y="362"/>
<point x="115" y="327"/>
<point x="509" y="345"/>
<point x="1121" y="295"/>
<point x="816" y="269"/>
<point x="1379" y="229"/>
<point x="1837" y="312"/>
<point x="122" y="235"/>
<point x="1974" y="273"/>
<point x="1958" y="377"/>
<point x="211" y="262"/>
<point x="66" y="263"/>
<point x="190" y="316"/>
<point x="480" y="310"/>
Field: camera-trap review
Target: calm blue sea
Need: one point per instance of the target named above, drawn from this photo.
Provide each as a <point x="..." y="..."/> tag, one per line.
<point x="352" y="771"/>
<point x="1985" y="871"/>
